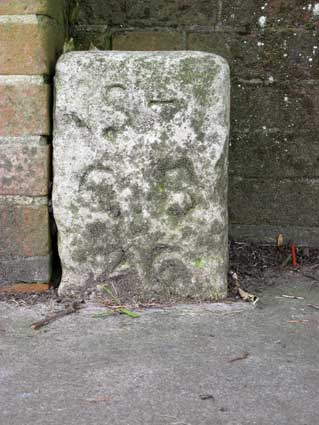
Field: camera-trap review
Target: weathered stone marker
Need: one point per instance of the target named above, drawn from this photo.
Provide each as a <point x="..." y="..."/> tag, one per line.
<point x="140" y="173"/>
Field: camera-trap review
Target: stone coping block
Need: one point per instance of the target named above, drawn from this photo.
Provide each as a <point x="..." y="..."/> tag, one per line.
<point x="52" y="8"/>
<point x="29" y="45"/>
<point x="140" y="173"/>
<point x="24" y="106"/>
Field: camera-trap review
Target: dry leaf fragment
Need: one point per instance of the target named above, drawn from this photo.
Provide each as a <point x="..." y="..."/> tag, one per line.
<point x="207" y="397"/>
<point x="280" y="241"/>
<point x="246" y="296"/>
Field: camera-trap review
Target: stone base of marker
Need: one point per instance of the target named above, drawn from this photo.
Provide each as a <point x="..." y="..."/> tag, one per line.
<point x="140" y="174"/>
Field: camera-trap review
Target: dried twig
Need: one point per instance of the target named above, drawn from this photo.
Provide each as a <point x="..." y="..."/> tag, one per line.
<point x="52" y="317"/>
<point x="244" y="356"/>
<point x="207" y="397"/>
<point x="292" y="297"/>
<point x="316" y="307"/>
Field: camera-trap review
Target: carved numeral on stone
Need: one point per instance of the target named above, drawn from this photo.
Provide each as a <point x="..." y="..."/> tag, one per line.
<point x="79" y="122"/>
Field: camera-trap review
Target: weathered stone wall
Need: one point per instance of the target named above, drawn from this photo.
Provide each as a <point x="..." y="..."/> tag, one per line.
<point x="272" y="47"/>
<point x="31" y="38"/>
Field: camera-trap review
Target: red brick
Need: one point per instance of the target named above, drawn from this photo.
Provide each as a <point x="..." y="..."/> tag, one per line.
<point x="147" y="40"/>
<point x="24" y="170"/>
<point x="24" y="107"/>
<point x="52" y="8"/>
<point x="279" y="55"/>
<point x="24" y="230"/>
<point x="245" y="13"/>
<point x="277" y="154"/>
<point x="284" y="107"/>
<point x="184" y="12"/>
<point x="25" y="269"/>
<point x="29" y="45"/>
<point x="273" y="201"/>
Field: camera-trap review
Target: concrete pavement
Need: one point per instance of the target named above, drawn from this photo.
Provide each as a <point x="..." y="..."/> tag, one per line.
<point x="208" y="364"/>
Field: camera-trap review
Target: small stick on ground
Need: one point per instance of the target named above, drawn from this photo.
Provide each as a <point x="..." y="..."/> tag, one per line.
<point x="293" y="297"/>
<point x="316" y="307"/>
<point x="244" y="356"/>
<point x="52" y="317"/>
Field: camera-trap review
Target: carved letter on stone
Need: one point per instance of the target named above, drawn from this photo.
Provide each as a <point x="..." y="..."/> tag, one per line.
<point x="140" y="173"/>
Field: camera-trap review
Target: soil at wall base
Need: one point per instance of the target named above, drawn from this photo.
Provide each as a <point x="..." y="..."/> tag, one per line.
<point x="253" y="264"/>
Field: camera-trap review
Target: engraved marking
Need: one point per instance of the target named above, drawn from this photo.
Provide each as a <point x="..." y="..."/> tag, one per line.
<point x="163" y="101"/>
<point x="79" y="122"/>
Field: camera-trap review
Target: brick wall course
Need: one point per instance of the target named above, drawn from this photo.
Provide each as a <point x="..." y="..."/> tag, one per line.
<point x="279" y="13"/>
<point x="24" y="107"/>
<point x="25" y="269"/>
<point x="146" y="13"/>
<point x="273" y="50"/>
<point x="287" y="202"/>
<point x="32" y="34"/>
<point x="29" y="45"/>
<point x="274" y="154"/>
<point x="24" y="169"/>
<point x="287" y="107"/>
<point x="51" y="8"/>
<point x="24" y="230"/>
<point x="275" y="55"/>
<point x="147" y="40"/>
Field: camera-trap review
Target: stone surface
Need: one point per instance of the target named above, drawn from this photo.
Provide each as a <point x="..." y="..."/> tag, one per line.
<point x="140" y="154"/>
<point x="29" y="44"/>
<point x="24" y="106"/>
<point x="24" y="168"/>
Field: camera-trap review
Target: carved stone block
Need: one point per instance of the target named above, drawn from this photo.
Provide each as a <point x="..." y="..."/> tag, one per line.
<point x="140" y="173"/>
